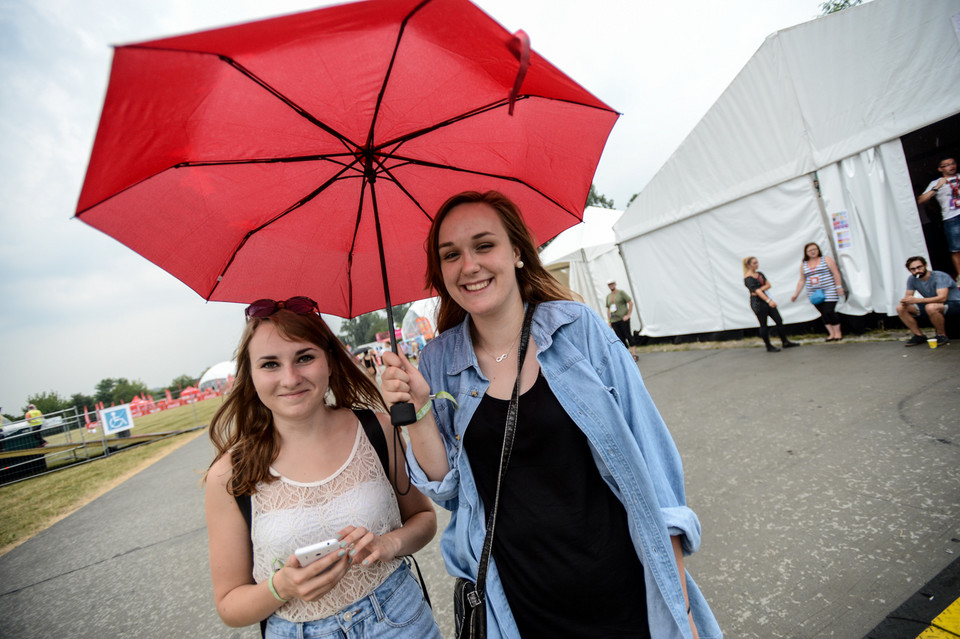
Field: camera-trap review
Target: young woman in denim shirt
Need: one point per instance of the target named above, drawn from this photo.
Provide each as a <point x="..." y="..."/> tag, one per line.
<point x="593" y="518"/>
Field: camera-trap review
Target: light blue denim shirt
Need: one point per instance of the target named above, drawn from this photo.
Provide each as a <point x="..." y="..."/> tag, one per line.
<point x="598" y="384"/>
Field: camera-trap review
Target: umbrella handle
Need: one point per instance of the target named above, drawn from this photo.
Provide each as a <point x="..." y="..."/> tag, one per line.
<point x="402" y="414"/>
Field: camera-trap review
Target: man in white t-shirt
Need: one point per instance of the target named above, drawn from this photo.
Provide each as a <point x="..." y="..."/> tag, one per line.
<point x="947" y="191"/>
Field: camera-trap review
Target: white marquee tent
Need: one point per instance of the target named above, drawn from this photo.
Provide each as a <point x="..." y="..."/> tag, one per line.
<point x="589" y="253"/>
<point x="822" y="104"/>
<point x="217" y="375"/>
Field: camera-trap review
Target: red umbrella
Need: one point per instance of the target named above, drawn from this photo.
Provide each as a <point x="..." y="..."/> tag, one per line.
<point x="306" y="154"/>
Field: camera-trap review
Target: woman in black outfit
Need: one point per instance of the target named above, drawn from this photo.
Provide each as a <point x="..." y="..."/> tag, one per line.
<point x="762" y="304"/>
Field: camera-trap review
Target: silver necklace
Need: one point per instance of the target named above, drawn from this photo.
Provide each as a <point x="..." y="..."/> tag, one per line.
<point x="506" y="354"/>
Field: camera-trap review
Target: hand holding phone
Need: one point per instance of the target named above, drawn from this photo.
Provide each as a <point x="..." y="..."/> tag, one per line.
<point x="309" y="554"/>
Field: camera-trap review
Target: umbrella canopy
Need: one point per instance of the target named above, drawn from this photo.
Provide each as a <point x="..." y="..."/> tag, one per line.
<point x="276" y="158"/>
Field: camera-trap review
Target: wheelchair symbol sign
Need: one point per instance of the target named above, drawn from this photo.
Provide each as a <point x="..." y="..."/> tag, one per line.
<point x="116" y="419"/>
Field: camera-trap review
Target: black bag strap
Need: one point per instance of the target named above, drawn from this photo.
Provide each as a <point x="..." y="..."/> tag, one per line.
<point x="508" y="436"/>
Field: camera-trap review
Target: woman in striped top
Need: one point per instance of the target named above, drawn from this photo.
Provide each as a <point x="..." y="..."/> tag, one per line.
<point x="819" y="272"/>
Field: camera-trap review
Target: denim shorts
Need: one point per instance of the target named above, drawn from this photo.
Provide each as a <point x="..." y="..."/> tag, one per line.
<point x="951" y="229"/>
<point x="951" y="308"/>
<point x="395" y="610"/>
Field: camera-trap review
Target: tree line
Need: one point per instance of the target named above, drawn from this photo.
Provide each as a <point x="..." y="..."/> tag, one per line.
<point x="111" y="390"/>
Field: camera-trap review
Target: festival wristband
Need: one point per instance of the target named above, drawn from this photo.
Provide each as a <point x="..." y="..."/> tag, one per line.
<point x="273" y="589"/>
<point x="424" y="410"/>
<point x="426" y="407"/>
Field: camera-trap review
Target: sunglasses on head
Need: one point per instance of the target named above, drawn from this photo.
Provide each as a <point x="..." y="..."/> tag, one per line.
<point x="265" y="308"/>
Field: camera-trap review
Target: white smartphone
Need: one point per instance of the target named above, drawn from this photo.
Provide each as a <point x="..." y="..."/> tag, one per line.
<point x="309" y="554"/>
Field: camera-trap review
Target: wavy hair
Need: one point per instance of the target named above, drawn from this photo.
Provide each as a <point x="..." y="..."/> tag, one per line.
<point x="536" y="283"/>
<point x="243" y="427"/>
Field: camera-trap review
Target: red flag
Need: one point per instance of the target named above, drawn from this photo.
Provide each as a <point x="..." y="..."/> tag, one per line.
<point x="169" y="396"/>
<point x="86" y="416"/>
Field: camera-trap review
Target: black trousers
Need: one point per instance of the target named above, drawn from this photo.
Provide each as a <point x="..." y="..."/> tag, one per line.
<point x="622" y="329"/>
<point x="763" y="310"/>
<point x="828" y="312"/>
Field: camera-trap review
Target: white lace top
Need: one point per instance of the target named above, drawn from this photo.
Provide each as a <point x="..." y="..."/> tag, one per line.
<point x="288" y="514"/>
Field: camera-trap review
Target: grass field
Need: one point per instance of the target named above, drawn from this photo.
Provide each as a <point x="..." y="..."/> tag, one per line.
<point x="36" y="503"/>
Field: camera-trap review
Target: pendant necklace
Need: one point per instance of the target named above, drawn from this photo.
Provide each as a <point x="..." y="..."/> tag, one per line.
<point x="506" y="354"/>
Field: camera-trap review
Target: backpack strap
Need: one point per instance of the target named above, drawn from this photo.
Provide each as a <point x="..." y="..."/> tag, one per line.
<point x="374" y="432"/>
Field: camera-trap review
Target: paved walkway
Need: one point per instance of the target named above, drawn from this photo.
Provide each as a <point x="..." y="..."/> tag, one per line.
<point x="827" y="479"/>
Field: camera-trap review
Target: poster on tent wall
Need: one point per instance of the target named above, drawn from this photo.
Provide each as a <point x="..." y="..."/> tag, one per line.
<point x="841" y="230"/>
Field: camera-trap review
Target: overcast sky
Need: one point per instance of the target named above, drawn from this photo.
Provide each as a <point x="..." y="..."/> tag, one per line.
<point x="76" y="306"/>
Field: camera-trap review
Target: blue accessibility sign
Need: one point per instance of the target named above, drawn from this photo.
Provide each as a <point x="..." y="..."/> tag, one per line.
<point x="116" y="419"/>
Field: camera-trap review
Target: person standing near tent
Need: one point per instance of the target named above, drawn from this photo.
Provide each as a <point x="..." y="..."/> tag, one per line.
<point x="762" y="304"/>
<point x="592" y="516"/>
<point x="947" y="191"/>
<point x="619" y="309"/>
<point x="819" y="273"/>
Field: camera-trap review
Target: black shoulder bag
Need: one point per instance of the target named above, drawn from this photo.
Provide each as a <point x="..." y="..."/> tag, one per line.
<point x="469" y="606"/>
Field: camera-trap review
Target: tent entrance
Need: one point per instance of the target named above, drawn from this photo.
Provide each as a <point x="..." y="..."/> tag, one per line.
<point x="923" y="149"/>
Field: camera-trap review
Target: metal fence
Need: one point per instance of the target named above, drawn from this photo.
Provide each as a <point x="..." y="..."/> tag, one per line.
<point x="62" y="439"/>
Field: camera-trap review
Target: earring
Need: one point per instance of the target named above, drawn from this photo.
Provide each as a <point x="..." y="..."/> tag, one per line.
<point x="519" y="264"/>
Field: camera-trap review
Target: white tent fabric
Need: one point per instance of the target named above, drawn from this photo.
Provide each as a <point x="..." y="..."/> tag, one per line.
<point x="421" y="308"/>
<point x="826" y="99"/>
<point x="872" y="194"/>
<point x="590" y="250"/>
<point x="217" y="375"/>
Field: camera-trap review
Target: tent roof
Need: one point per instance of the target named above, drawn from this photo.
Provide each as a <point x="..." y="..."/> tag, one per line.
<point x="811" y="95"/>
<point x="219" y="371"/>
<point x="595" y="230"/>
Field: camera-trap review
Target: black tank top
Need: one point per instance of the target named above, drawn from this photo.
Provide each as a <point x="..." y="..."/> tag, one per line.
<point x="562" y="545"/>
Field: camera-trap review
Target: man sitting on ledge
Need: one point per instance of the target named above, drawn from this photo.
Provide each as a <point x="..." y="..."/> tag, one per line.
<point x="940" y="296"/>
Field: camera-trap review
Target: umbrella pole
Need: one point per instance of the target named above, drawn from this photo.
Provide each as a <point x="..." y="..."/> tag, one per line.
<point x="404" y="413"/>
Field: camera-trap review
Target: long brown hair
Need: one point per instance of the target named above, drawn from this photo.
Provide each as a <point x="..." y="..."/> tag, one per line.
<point x="243" y="426"/>
<point x="536" y="283"/>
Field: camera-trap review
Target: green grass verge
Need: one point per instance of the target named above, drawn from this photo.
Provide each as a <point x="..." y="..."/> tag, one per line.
<point x="36" y="503"/>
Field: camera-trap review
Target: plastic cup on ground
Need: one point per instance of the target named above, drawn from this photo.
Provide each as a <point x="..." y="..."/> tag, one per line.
<point x="932" y="343"/>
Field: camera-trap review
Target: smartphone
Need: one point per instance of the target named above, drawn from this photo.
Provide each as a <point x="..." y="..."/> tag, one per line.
<point x="309" y="554"/>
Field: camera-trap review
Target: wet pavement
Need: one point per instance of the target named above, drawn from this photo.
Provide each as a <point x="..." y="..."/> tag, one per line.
<point x="826" y="478"/>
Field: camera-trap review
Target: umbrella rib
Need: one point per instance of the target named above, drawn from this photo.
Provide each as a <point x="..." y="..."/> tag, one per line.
<point x="256" y="230"/>
<point x="386" y="76"/>
<point x="474" y="112"/>
<point x="436" y="165"/>
<point x="353" y="245"/>
<point x="199" y="163"/>
<point x="347" y="142"/>
<point x="448" y="167"/>
<point x="333" y="158"/>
